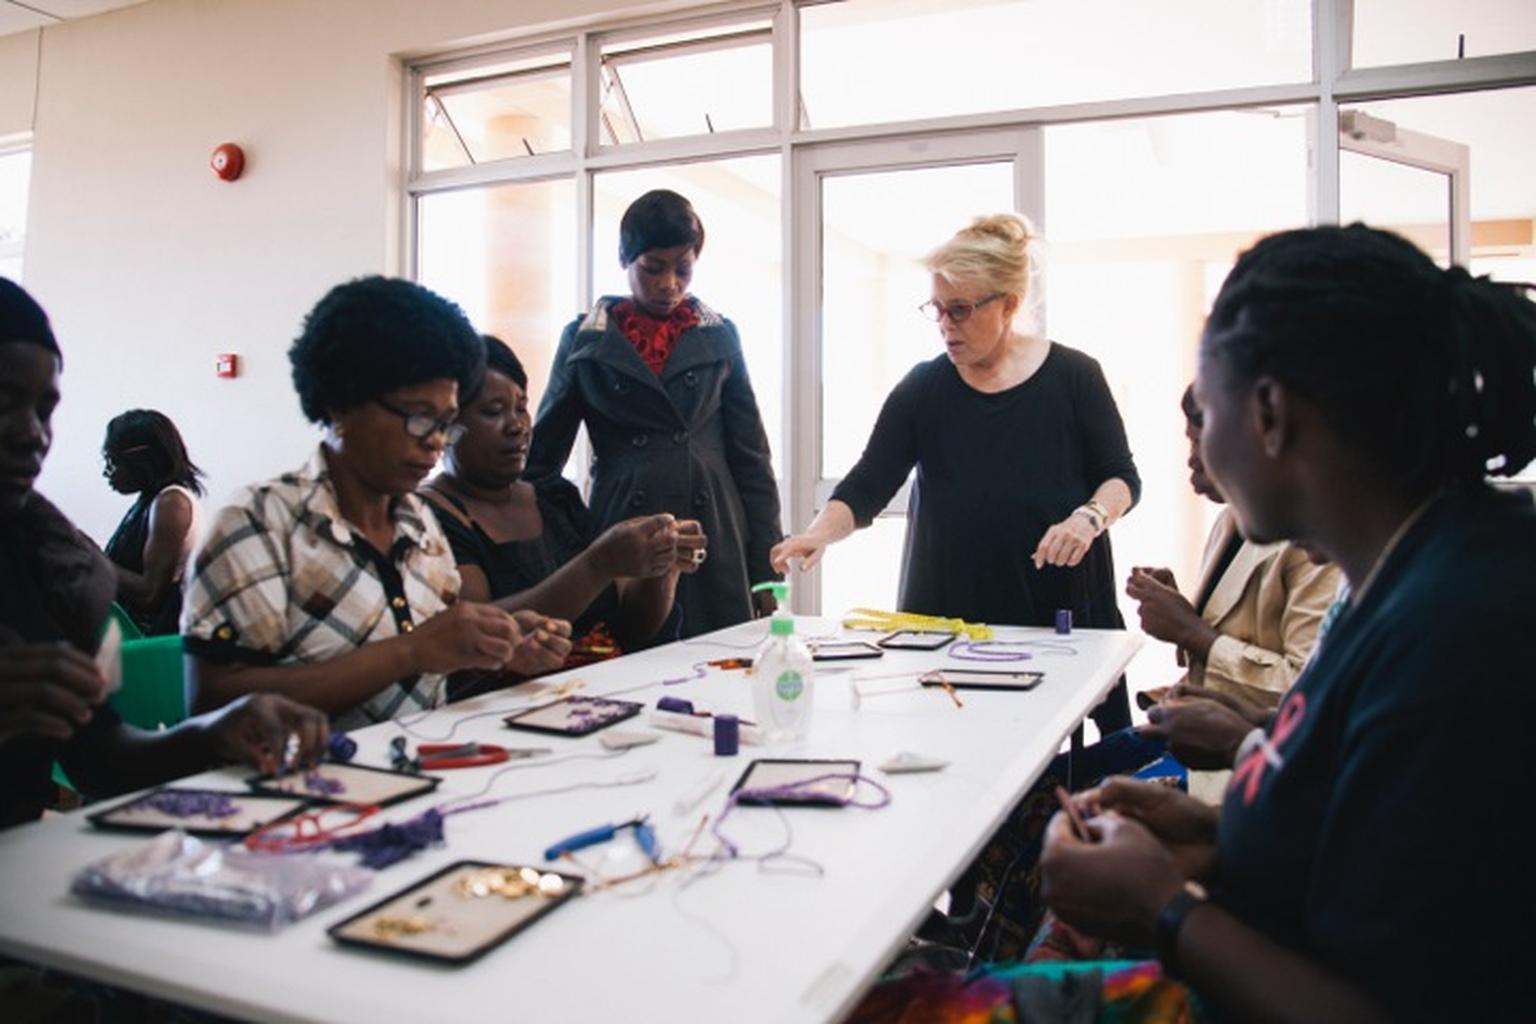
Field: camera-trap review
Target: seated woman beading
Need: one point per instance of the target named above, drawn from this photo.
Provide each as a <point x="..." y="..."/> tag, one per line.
<point x="145" y="455"/>
<point x="334" y="584"/>
<point x="53" y="607"/>
<point x="535" y="545"/>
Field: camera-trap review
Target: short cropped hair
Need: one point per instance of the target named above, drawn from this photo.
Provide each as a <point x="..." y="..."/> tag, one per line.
<point x="660" y="219"/>
<point x="373" y="335"/>
<point x="499" y="357"/>
<point x="22" y="319"/>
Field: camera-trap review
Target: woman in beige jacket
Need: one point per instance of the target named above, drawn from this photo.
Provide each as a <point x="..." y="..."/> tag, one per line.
<point x="1254" y="619"/>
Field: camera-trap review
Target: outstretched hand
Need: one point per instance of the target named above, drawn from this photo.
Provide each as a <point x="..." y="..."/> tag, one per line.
<point x="1066" y="543"/>
<point x="802" y="547"/>
<point x="1187" y="827"/>
<point x="638" y="548"/>
<point x="692" y="546"/>
<point x="546" y="642"/>
<point x="47" y="690"/>
<point x="1112" y="886"/>
<point x="1203" y="734"/>
<point x="257" y="729"/>
<point x="1167" y="614"/>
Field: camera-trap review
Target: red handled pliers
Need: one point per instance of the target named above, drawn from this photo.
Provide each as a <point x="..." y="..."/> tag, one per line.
<point x="432" y="757"/>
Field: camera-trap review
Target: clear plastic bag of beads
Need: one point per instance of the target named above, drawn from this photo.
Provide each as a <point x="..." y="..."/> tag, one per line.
<point x="179" y="874"/>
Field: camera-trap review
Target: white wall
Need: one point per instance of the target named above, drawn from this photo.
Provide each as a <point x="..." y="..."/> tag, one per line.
<point x="149" y="265"/>
<point x="18" y="81"/>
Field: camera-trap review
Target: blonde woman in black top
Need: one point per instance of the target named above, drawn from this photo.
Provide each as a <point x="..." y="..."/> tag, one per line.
<point x="1021" y="458"/>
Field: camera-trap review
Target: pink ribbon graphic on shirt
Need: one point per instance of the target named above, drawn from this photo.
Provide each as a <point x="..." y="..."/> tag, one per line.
<point x="1251" y="772"/>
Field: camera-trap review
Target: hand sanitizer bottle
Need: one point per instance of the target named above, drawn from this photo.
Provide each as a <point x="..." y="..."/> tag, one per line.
<point x="783" y="676"/>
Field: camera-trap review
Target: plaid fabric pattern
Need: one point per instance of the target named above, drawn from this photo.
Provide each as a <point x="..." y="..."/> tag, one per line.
<point x="278" y="580"/>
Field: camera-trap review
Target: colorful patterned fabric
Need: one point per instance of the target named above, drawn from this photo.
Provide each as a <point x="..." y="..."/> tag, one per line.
<point x="654" y="337"/>
<point x="1130" y="992"/>
<point x="281" y="578"/>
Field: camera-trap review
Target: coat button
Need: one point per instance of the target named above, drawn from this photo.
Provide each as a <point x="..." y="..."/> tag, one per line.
<point x="640" y="440"/>
<point x="637" y="499"/>
<point x="700" y="500"/>
<point x="622" y="387"/>
<point x="680" y="438"/>
<point x="691" y="379"/>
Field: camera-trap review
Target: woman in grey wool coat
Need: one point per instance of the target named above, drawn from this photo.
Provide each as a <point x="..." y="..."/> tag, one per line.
<point x="660" y="381"/>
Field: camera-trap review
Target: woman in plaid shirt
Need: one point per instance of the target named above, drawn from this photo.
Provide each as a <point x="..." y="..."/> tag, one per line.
<point x="334" y="584"/>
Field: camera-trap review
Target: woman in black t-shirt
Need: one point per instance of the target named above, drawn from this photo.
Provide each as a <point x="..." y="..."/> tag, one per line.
<point x="1364" y="865"/>
<point x="535" y="544"/>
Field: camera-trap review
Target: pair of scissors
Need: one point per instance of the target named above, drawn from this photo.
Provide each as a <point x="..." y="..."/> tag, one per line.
<point x="645" y="838"/>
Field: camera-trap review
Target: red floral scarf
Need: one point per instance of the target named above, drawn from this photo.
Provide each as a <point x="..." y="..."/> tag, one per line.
<point x="654" y="337"/>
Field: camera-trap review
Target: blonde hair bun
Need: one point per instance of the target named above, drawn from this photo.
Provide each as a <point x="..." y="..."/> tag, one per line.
<point x="1009" y="228"/>
<point x="993" y="250"/>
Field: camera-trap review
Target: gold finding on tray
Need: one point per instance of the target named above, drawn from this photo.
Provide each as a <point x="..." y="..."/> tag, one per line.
<point x="390" y="928"/>
<point x="509" y="883"/>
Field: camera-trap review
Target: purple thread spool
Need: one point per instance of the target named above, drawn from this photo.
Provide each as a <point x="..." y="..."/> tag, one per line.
<point x="343" y="747"/>
<point x="1063" y="620"/>
<point x="677" y="704"/>
<point x="727" y="735"/>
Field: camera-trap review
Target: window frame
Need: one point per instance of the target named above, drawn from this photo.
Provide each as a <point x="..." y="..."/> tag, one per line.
<point x="10" y="146"/>
<point x="1334" y="84"/>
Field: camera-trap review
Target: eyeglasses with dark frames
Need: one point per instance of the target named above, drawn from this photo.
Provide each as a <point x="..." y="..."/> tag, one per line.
<point x="421" y="426"/>
<point x="958" y="312"/>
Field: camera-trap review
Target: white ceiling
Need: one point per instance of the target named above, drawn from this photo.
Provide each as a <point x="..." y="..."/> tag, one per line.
<point x="23" y="15"/>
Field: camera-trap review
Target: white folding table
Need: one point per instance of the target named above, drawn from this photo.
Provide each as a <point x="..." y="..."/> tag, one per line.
<point x="744" y="941"/>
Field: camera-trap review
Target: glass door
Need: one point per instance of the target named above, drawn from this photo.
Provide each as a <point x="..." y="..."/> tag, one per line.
<point x="875" y="209"/>
<point x="1415" y="184"/>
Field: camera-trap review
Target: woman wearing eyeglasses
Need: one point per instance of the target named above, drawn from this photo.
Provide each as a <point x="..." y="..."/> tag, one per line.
<point x="1021" y="458"/>
<point x="334" y="585"/>
<point x="144" y="455"/>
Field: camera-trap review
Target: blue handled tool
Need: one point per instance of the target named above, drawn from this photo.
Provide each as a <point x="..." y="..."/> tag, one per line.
<point x="645" y="838"/>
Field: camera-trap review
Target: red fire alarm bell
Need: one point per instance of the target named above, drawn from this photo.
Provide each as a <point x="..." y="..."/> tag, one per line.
<point x="228" y="365"/>
<point x="227" y="161"/>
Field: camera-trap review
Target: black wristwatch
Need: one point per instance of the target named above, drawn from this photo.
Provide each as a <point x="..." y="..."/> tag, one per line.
<point x="1171" y="919"/>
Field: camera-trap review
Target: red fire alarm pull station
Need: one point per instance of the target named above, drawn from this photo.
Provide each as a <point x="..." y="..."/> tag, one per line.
<point x="228" y="365"/>
<point x="227" y="161"/>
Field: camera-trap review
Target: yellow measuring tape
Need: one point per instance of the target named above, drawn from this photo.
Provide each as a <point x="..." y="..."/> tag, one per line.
<point x="870" y="618"/>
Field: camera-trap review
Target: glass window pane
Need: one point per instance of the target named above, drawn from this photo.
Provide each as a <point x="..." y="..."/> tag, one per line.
<point x="508" y="110"/>
<point x="740" y="272"/>
<point x="1414" y="202"/>
<point x="1496" y="127"/>
<point x="864" y="571"/>
<point x="15" y="176"/>
<point x="507" y="255"/>
<point x="873" y="282"/>
<point x="694" y="84"/>
<point x="865" y="61"/>
<point x="1413" y="31"/>
<point x="1143" y="220"/>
